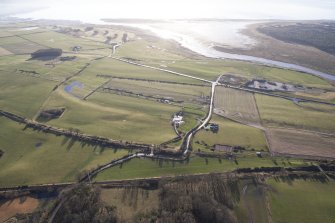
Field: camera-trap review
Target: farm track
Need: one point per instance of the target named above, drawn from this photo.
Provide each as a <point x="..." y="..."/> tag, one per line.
<point x="20" y="36"/>
<point x="160" y="69"/>
<point x="151" y="81"/>
<point x="96" y="89"/>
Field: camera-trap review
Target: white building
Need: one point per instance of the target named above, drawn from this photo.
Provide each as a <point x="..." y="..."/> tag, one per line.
<point x="177" y="119"/>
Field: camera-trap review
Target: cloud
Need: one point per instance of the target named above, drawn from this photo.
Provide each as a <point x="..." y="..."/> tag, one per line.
<point x="238" y="9"/>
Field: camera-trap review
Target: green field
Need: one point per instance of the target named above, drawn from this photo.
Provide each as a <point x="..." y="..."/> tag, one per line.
<point x="154" y="50"/>
<point x="211" y="69"/>
<point x="145" y="167"/>
<point x="231" y="134"/>
<point x="130" y="118"/>
<point x="114" y="116"/>
<point x="185" y="94"/>
<point x="302" y="201"/>
<point x="310" y="116"/>
<point x="18" y="45"/>
<point x="24" y="93"/>
<point x="32" y="157"/>
<point x="115" y="68"/>
<point x="65" y="42"/>
<point x="21" y="94"/>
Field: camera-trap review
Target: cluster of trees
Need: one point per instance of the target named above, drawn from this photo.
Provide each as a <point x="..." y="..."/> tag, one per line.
<point x="209" y="199"/>
<point x="125" y="38"/>
<point x="83" y="204"/>
<point x="47" y="53"/>
<point x="47" y="115"/>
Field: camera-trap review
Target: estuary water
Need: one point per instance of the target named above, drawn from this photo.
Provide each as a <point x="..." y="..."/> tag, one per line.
<point x="202" y="36"/>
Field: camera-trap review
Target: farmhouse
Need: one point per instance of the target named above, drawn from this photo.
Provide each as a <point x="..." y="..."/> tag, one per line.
<point x="177" y="119"/>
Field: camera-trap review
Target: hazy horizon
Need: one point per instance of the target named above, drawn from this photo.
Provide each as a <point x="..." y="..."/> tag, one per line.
<point x="173" y="9"/>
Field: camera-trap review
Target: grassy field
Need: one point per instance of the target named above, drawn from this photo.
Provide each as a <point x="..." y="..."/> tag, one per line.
<point x="63" y="41"/>
<point x="326" y="96"/>
<point x="301" y="143"/>
<point x="302" y="201"/>
<point x="156" y="50"/>
<point x="211" y="69"/>
<point x="114" y="116"/>
<point x="142" y="167"/>
<point x="184" y="93"/>
<point x="237" y="105"/>
<point x="280" y="112"/>
<point x="232" y="134"/>
<point x="54" y="69"/>
<point x="32" y="157"/>
<point x="18" y="45"/>
<point x="4" y="52"/>
<point x="109" y="66"/>
<point x="21" y="94"/>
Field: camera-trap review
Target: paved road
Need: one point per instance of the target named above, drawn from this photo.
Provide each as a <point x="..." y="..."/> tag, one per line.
<point x="190" y="134"/>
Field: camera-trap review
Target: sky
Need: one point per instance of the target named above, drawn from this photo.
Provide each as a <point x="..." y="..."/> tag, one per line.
<point x="170" y="9"/>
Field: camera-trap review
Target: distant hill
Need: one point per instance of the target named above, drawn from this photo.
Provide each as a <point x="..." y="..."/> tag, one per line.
<point x="319" y="35"/>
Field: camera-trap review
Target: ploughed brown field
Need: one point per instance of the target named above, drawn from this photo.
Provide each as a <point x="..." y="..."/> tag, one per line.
<point x="293" y="142"/>
<point x="17" y="206"/>
<point x="236" y="105"/>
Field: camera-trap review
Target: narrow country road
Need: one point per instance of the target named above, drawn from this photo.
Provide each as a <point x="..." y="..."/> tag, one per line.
<point x="191" y="133"/>
<point x="160" y="69"/>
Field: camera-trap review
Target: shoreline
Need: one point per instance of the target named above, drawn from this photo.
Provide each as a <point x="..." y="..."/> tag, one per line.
<point x="259" y="54"/>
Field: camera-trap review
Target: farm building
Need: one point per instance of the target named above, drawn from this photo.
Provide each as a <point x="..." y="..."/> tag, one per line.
<point x="177" y="119"/>
<point x="212" y="127"/>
